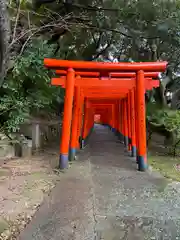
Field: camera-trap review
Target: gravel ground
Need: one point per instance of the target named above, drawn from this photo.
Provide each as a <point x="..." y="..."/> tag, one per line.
<point x="23" y="185"/>
<point x="103" y="197"/>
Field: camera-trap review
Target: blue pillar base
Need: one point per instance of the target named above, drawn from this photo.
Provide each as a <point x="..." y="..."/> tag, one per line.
<point x="137" y="159"/>
<point x="116" y="132"/>
<point x="120" y="137"/>
<point x="63" y="161"/>
<point x="82" y="144"/>
<point x="113" y="130"/>
<point x="72" y="154"/>
<point x="126" y="141"/>
<point x="142" y="166"/>
<point x="134" y="152"/>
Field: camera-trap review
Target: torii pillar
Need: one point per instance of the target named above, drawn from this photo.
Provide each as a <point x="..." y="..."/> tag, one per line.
<point x="141" y="121"/>
<point x="66" y="127"/>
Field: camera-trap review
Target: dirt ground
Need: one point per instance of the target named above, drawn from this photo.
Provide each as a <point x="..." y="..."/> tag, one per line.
<point x="25" y="182"/>
<point x="160" y="159"/>
<point x="103" y="196"/>
<point x="23" y="185"/>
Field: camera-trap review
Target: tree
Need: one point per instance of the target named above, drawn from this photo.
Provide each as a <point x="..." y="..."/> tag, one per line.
<point x="27" y="89"/>
<point x="4" y="39"/>
<point x="102" y="30"/>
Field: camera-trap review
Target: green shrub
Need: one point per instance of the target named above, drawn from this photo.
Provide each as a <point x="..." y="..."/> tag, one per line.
<point x="27" y="88"/>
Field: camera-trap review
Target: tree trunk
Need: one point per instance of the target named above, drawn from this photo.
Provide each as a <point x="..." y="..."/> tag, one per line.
<point x="175" y="100"/>
<point x="160" y="92"/>
<point x="4" y="39"/>
<point x="163" y="97"/>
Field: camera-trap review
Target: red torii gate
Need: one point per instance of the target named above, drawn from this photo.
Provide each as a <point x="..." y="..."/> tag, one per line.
<point x="115" y="91"/>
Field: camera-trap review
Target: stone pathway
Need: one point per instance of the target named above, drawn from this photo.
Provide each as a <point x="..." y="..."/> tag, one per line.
<point x="103" y="197"/>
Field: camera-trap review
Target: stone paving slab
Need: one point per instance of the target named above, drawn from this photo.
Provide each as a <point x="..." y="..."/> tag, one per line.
<point x="103" y="197"/>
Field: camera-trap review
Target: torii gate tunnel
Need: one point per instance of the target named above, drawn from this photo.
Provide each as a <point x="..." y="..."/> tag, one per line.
<point x="113" y="91"/>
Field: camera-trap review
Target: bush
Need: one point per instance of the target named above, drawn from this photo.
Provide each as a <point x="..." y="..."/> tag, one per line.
<point x="27" y="87"/>
<point x="169" y="119"/>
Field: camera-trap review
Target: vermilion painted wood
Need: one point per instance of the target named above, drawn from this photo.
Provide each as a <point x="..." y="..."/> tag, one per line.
<point x="106" y="112"/>
<point x="121" y="119"/>
<point x="133" y="129"/>
<point x="129" y="121"/>
<point x="88" y="119"/>
<point x="101" y="106"/>
<point x="101" y="101"/>
<point x="125" y="120"/>
<point x="105" y="96"/>
<point x="133" y="74"/>
<point x="81" y="74"/>
<point x="117" y="117"/>
<point x="111" y="75"/>
<point x="74" y="132"/>
<point x="136" y="121"/>
<point x="123" y="83"/>
<point x="98" y="93"/>
<point x="98" y="66"/>
<point x="122" y="113"/>
<point x="141" y="121"/>
<point x="80" y="120"/>
<point x="66" y="128"/>
<point x="149" y="84"/>
<point x="100" y="89"/>
<point x="104" y="84"/>
<point x="102" y="94"/>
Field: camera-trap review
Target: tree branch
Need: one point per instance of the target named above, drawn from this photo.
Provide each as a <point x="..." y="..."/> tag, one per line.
<point x="91" y="26"/>
<point x="104" y="49"/>
<point x="17" y="19"/>
<point x="38" y="3"/>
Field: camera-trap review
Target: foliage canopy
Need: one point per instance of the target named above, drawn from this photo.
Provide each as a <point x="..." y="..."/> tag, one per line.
<point x="89" y="30"/>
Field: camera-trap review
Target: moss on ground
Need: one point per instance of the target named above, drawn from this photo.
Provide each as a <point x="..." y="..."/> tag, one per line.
<point x="3" y="225"/>
<point x="4" y="172"/>
<point x="165" y="165"/>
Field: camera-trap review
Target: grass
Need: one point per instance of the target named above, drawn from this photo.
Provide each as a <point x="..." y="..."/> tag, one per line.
<point x="3" y="225"/>
<point x="165" y="165"/>
<point x="4" y="172"/>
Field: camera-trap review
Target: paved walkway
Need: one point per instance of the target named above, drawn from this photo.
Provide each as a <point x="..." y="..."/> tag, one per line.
<point x="102" y="196"/>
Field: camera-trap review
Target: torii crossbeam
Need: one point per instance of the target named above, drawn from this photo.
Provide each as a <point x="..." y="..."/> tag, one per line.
<point x="114" y="92"/>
